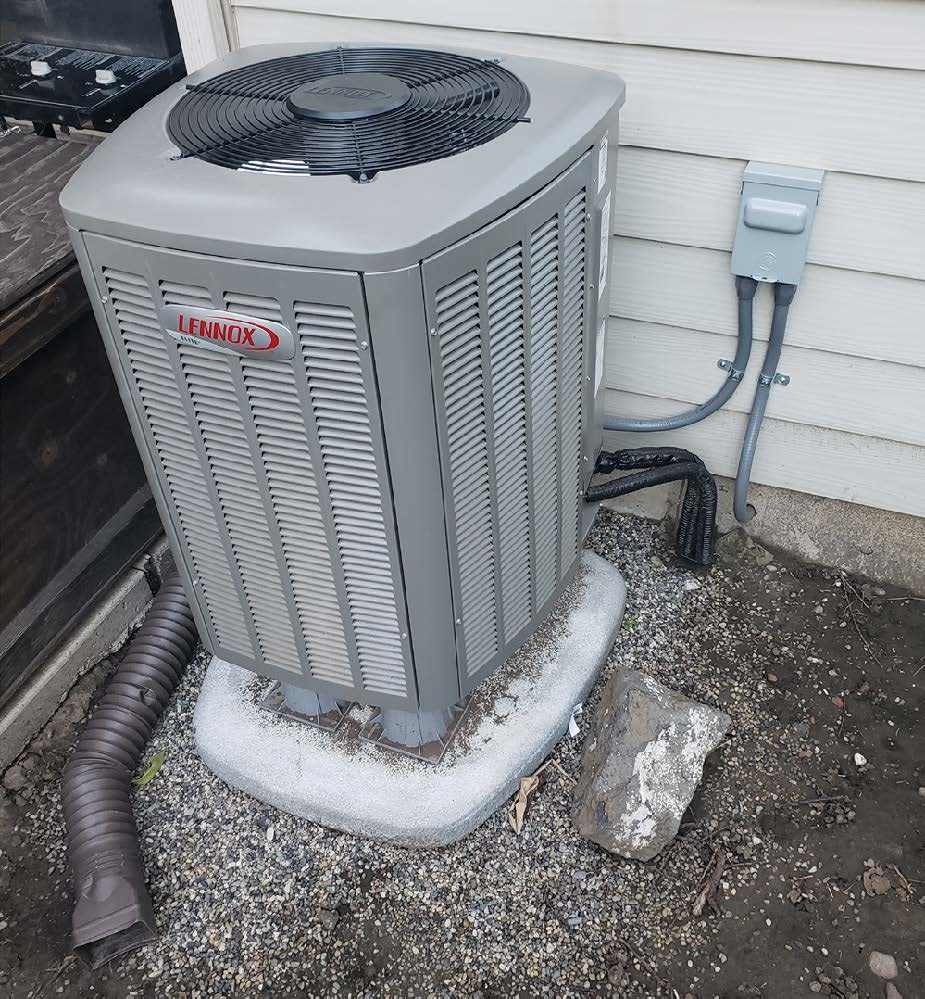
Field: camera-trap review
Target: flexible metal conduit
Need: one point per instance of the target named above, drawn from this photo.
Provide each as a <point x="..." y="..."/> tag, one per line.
<point x="745" y="292"/>
<point x="113" y="913"/>
<point x="783" y="296"/>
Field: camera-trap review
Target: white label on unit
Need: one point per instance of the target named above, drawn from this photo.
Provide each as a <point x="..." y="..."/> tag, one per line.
<point x="602" y="165"/>
<point x="599" y="355"/>
<point x="605" y="245"/>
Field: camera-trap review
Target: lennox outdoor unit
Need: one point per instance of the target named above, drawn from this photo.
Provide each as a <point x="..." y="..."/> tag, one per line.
<point x="355" y="299"/>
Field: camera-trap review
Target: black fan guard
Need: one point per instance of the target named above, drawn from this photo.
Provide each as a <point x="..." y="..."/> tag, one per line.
<point x="302" y="114"/>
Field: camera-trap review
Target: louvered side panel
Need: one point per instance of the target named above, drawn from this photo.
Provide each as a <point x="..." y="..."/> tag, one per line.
<point x="571" y="347"/>
<point x="544" y="354"/>
<point x="355" y="482"/>
<point x="507" y="349"/>
<point x="157" y="398"/>
<point x="212" y="390"/>
<point x="459" y="336"/>
<point x="291" y="480"/>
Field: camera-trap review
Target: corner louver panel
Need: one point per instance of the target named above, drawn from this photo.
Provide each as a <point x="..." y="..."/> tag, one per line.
<point x="463" y="389"/>
<point x="570" y="378"/>
<point x="153" y="383"/>
<point x="505" y="306"/>
<point x="291" y="481"/>
<point x="544" y="400"/>
<point x="341" y="403"/>
<point x="508" y="369"/>
<point x="211" y="386"/>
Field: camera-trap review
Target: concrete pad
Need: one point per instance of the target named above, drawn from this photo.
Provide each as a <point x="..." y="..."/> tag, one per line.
<point x="516" y="717"/>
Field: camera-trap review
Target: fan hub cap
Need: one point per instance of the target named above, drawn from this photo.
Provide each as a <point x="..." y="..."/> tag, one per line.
<point x="348" y="96"/>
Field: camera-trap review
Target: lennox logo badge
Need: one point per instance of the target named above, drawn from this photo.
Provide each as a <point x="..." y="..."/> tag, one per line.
<point x="228" y="331"/>
<point x="360" y="93"/>
<point x="241" y="334"/>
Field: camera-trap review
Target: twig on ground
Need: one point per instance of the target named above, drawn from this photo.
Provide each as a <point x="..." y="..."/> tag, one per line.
<point x="558" y="766"/>
<point x="718" y="863"/>
<point x="902" y="878"/>
<point x="819" y="801"/>
<point x="847" y="586"/>
<point x="41" y="988"/>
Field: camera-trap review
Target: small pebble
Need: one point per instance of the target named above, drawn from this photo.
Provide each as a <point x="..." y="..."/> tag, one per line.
<point x="860" y="760"/>
<point x="883" y="965"/>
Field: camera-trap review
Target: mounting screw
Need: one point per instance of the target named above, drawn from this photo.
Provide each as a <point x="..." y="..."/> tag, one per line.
<point x="459" y="620"/>
<point x="363" y="345"/>
<point x="433" y="331"/>
<point x="591" y="285"/>
<point x="587" y="378"/>
<point x="780" y="379"/>
<point x="724" y="364"/>
<point x="104" y="299"/>
<point x="404" y="634"/>
<point x="585" y="458"/>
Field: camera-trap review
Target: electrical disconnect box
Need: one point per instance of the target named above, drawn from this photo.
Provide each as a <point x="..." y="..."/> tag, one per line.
<point x="775" y="219"/>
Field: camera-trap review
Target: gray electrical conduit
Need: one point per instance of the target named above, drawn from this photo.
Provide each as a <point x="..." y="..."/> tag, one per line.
<point x="745" y="292"/>
<point x="113" y="913"/>
<point x="783" y="296"/>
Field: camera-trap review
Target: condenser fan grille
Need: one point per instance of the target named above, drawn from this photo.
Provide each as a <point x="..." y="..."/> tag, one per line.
<point x="347" y="111"/>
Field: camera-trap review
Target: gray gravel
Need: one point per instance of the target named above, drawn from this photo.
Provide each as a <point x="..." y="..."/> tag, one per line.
<point x="252" y="901"/>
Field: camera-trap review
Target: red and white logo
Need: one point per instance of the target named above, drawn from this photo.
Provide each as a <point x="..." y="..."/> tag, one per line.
<point x="228" y="331"/>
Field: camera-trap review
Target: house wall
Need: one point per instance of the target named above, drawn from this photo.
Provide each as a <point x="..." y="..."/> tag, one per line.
<point x="836" y="84"/>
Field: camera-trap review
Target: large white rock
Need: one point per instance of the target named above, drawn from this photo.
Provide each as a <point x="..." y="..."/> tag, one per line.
<point x="641" y="764"/>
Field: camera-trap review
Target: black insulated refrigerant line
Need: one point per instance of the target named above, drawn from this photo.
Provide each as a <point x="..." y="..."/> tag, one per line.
<point x="651" y="467"/>
<point x="112" y="912"/>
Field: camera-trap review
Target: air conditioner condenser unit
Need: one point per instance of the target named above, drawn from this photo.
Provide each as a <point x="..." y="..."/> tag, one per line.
<point x="355" y="301"/>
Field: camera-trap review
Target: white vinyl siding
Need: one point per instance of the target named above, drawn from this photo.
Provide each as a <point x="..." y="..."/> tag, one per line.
<point x="836" y="84"/>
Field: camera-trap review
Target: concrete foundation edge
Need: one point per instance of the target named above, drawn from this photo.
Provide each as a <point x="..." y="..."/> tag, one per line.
<point x="884" y="545"/>
<point x="367" y="792"/>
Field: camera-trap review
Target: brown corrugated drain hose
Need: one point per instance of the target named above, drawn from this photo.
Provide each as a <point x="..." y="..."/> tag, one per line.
<point x="113" y="912"/>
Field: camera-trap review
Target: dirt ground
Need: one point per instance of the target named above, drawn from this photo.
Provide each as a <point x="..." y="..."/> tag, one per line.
<point x="803" y="851"/>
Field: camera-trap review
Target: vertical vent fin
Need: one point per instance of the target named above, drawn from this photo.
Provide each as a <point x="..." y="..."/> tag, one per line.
<point x="571" y="345"/>
<point x="544" y="355"/>
<point x="155" y="390"/>
<point x="336" y="387"/>
<point x="460" y="338"/>
<point x="212" y="391"/>
<point x="293" y="488"/>
<point x="505" y="302"/>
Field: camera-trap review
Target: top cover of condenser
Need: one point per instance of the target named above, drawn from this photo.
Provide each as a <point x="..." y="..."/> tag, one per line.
<point x="134" y="186"/>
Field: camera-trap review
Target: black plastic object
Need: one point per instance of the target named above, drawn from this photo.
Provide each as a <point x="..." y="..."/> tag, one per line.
<point x="145" y="28"/>
<point x="69" y="93"/>
<point x="113" y="913"/>
<point x="652" y="467"/>
<point x="348" y="97"/>
<point x="347" y="111"/>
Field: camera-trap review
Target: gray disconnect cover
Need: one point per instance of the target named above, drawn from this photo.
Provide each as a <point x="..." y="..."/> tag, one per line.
<point x="132" y="187"/>
<point x="775" y="221"/>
